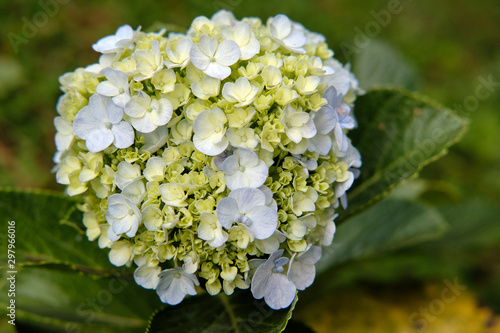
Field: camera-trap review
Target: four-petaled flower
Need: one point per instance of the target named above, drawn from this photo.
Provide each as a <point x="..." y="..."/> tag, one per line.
<point x="123" y="216"/>
<point x="209" y="129"/>
<point x="175" y="284"/>
<point x="123" y="37"/>
<point x="147" y="113"/>
<point x="248" y="207"/>
<point x="100" y="125"/>
<point x="214" y="57"/>
<point x="270" y="282"/>
<point x="244" y="169"/>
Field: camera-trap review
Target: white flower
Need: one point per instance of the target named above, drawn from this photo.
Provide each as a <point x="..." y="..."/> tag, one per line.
<point x="286" y="33"/>
<point x="155" y="169"/>
<point x="244" y="169"/>
<point x="301" y="270"/>
<point x="146" y="114"/>
<point x="243" y="138"/>
<point x="122" y="39"/>
<point x="210" y="230"/>
<point x="307" y="85"/>
<point x="100" y="124"/>
<point x="116" y="86"/>
<point x="325" y="229"/>
<point x="173" y="194"/>
<point x="340" y="78"/>
<point x="148" y="62"/>
<point x="126" y="173"/>
<point x="122" y="215"/>
<point x="65" y="133"/>
<point x="69" y="166"/>
<point x="120" y="254"/>
<point x="240" y="92"/>
<point x="135" y="191"/>
<point x="146" y="276"/>
<point x="175" y="284"/>
<point x="304" y="202"/>
<point x="269" y="282"/>
<point x="105" y="61"/>
<point x="164" y="80"/>
<point x="248" y="207"/>
<point x="307" y="165"/>
<point x="223" y="17"/>
<point x="155" y="140"/>
<point x="325" y="121"/>
<point x="271" y="244"/>
<point x="270" y="202"/>
<point x="345" y="120"/>
<point x="206" y="88"/>
<point x="298" y="125"/>
<point x="271" y="76"/>
<point x="209" y="129"/>
<point x="178" y="52"/>
<point x="214" y="58"/>
<point x="245" y="38"/>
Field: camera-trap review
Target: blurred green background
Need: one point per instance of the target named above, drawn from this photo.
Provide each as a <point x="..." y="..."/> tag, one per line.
<point x="453" y="47"/>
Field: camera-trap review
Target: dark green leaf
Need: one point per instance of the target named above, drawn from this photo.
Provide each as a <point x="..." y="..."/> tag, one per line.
<point x="67" y="300"/>
<point x="473" y="224"/>
<point x="386" y="226"/>
<point x="48" y="229"/>
<point x="398" y="134"/>
<point x="378" y="64"/>
<point x="238" y="313"/>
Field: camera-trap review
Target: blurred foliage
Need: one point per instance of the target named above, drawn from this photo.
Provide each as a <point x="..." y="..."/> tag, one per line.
<point x="453" y="47"/>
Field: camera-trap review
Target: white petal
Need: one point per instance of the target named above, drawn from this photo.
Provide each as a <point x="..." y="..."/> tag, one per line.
<point x="115" y="112"/>
<point x="217" y="71"/>
<point x="227" y="53"/>
<point x="120" y="253"/>
<point x="247" y="198"/>
<point x="264" y="221"/>
<point x="322" y="144"/>
<point x="257" y="175"/>
<point x="198" y="58"/>
<point x="325" y="119"/>
<point x="227" y="212"/>
<point x="219" y="239"/>
<point x="107" y="88"/>
<point x="230" y="165"/>
<point x="121" y="100"/>
<point x="144" y="124"/>
<point x="123" y="135"/>
<point x="208" y="147"/>
<point x="84" y="123"/>
<point x="280" y="26"/>
<point x="164" y="113"/>
<point x="147" y="277"/>
<point x="302" y="275"/>
<point x="281" y="292"/>
<point x="99" y="140"/>
<point x="137" y="105"/>
<point x="237" y="180"/>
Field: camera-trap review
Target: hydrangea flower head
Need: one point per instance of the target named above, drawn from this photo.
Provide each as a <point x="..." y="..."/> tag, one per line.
<point x="214" y="159"/>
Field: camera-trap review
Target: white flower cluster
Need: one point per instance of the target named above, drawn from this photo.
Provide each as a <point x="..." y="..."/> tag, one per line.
<point x="201" y="154"/>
